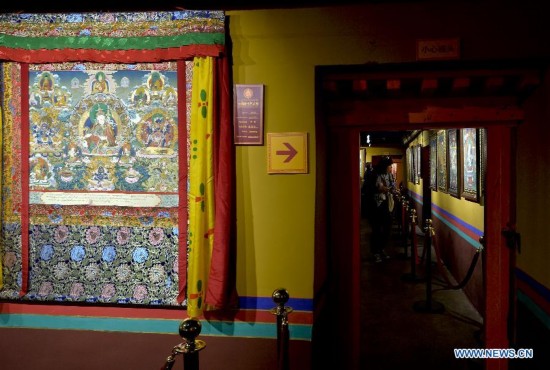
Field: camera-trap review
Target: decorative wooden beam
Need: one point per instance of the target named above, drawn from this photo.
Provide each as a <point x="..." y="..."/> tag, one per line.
<point x="493" y="84"/>
<point x="528" y="82"/>
<point x="330" y="86"/>
<point x="461" y="84"/>
<point x="360" y="85"/>
<point x="429" y="86"/>
<point x="467" y="114"/>
<point x="393" y="86"/>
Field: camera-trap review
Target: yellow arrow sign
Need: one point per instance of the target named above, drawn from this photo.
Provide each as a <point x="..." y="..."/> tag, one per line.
<point x="287" y="152"/>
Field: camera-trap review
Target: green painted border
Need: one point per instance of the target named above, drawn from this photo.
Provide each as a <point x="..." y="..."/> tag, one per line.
<point x="151" y="326"/>
<point x="108" y="43"/>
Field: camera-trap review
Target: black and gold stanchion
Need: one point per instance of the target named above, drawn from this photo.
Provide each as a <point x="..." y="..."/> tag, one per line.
<point x="280" y="297"/>
<point x="189" y="329"/>
<point x="405" y="229"/>
<point x="411" y="276"/>
<point x="428" y="305"/>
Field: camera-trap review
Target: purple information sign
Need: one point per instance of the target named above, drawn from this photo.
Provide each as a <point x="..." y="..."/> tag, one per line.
<point x="248" y="120"/>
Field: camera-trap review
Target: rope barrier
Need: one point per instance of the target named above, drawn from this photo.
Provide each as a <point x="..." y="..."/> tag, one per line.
<point x="443" y="273"/>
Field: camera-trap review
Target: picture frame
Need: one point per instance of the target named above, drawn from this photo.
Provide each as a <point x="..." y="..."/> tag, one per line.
<point x="409" y="165"/>
<point x="433" y="163"/>
<point x="454" y="162"/>
<point x="469" y="159"/>
<point x="418" y="149"/>
<point x="414" y="170"/>
<point x="442" y="169"/>
<point x="482" y="161"/>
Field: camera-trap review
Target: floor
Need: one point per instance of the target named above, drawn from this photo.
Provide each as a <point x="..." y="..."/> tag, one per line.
<point x="403" y="327"/>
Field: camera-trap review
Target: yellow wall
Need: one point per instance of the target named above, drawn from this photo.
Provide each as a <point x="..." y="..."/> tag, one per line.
<point x="280" y="49"/>
<point x="533" y="187"/>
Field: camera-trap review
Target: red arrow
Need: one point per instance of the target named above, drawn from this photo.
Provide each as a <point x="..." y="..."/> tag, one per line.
<point x="291" y="152"/>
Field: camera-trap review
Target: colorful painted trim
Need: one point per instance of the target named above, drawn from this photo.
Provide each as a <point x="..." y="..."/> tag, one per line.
<point x="534" y="295"/>
<point x="243" y="323"/>
<point x="111" y="25"/>
<point x="121" y="37"/>
<point x="465" y="230"/>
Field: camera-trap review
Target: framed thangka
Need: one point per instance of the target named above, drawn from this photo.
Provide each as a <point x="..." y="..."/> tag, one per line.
<point x="442" y="160"/>
<point x="482" y="161"/>
<point x="433" y="163"/>
<point x="454" y="179"/>
<point x="469" y="160"/>
<point x="104" y="159"/>
<point x="418" y="150"/>
<point x="410" y="165"/>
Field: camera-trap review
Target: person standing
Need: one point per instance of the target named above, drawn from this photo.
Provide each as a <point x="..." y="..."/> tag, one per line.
<point x="381" y="220"/>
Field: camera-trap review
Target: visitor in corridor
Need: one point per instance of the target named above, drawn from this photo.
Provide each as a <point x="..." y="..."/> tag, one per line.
<point x="381" y="220"/>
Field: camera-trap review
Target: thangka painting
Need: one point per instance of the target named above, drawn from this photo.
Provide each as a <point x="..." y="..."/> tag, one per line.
<point x="441" y="155"/>
<point x="469" y="159"/>
<point x="433" y="163"/>
<point x="103" y="176"/>
<point x="96" y="133"/>
<point x="454" y="165"/>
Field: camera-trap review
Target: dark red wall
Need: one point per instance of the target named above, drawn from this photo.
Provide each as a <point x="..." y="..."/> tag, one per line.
<point x="26" y="349"/>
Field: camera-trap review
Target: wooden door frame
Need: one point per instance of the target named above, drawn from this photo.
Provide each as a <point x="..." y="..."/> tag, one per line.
<point x="338" y="290"/>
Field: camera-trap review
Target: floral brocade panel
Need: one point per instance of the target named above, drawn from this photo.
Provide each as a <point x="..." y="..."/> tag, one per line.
<point x="11" y="260"/>
<point x="103" y="264"/>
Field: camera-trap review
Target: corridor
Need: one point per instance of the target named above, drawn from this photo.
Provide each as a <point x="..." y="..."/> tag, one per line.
<point x="393" y="334"/>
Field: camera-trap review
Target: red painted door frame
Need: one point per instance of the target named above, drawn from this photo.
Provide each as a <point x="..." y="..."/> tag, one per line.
<point x="343" y="218"/>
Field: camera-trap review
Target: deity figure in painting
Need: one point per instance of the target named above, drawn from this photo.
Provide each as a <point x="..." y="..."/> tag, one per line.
<point x="100" y="129"/>
<point x="100" y="85"/>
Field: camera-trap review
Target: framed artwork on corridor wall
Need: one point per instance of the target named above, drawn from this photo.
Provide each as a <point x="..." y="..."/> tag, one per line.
<point x="418" y="150"/>
<point x="453" y="147"/>
<point x="469" y="158"/>
<point x="409" y="165"/>
<point x="433" y="163"/>
<point x="482" y="160"/>
<point x="414" y="167"/>
<point x="442" y="160"/>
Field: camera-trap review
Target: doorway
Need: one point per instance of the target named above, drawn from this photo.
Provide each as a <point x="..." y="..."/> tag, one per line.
<point x="339" y="122"/>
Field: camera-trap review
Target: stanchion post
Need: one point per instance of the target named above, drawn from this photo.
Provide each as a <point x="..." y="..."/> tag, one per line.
<point x="189" y="330"/>
<point x="404" y="231"/>
<point x="428" y="305"/>
<point x="411" y="277"/>
<point x="280" y="297"/>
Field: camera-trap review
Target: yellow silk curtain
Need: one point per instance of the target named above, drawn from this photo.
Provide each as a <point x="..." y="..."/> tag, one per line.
<point x="201" y="185"/>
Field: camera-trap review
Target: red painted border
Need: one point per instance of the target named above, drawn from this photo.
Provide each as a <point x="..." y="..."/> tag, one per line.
<point x="252" y="316"/>
<point x="108" y="56"/>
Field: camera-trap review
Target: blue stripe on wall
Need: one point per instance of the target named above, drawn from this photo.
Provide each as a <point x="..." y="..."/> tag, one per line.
<point x="474" y="243"/>
<point x="153" y="326"/>
<point x="458" y="220"/>
<point x="450" y="216"/>
<point x="264" y="303"/>
<point x="537" y="287"/>
<point x="444" y="217"/>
